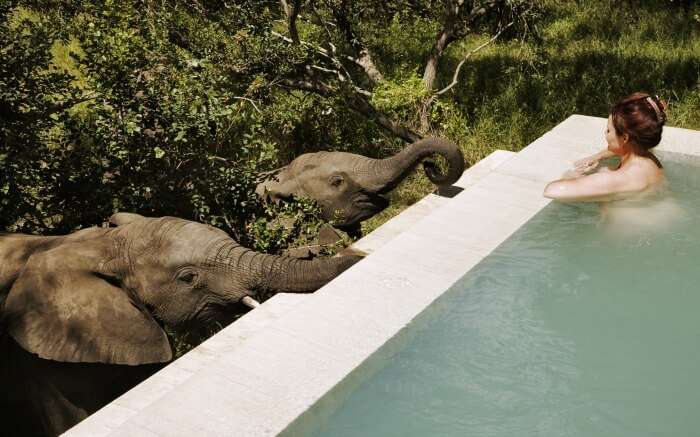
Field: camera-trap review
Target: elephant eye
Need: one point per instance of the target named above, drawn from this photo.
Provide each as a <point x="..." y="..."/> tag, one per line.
<point x="336" y="180"/>
<point x="187" y="277"/>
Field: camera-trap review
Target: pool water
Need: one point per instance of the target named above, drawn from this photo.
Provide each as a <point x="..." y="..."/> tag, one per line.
<point x="564" y="330"/>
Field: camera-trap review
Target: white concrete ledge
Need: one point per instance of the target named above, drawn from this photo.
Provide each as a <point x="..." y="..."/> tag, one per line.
<point x="424" y="207"/>
<point x="257" y="376"/>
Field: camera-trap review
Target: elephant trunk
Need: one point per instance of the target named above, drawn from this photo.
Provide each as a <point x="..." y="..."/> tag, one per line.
<point x="385" y="174"/>
<point x="263" y="272"/>
<point x="293" y="275"/>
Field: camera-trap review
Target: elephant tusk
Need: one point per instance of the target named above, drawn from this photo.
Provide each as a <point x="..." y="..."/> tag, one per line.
<point x="250" y="302"/>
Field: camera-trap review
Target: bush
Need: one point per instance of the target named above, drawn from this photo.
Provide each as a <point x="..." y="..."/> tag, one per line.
<point x="165" y="132"/>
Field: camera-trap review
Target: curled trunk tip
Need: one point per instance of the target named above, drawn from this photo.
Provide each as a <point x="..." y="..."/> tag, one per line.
<point x="452" y="154"/>
<point x="386" y="174"/>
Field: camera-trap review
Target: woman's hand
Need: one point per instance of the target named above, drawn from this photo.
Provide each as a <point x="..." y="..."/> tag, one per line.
<point x="589" y="164"/>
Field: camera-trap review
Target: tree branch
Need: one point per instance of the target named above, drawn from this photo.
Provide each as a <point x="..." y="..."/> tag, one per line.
<point x="370" y="68"/>
<point x="364" y="58"/>
<point x="358" y="102"/>
<point x="291" y="13"/>
<point x="455" y="76"/>
<point x="330" y="54"/>
<point x="442" y="40"/>
<point x="451" y="31"/>
<point x="361" y="105"/>
<point x="251" y="101"/>
<point x="355" y="97"/>
<point x="317" y="87"/>
<point x="343" y="76"/>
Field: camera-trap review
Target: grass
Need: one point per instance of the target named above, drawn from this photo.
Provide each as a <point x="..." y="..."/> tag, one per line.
<point x="591" y="53"/>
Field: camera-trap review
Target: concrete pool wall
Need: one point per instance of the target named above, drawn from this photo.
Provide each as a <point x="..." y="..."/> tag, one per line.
<point x="260" y="374"/>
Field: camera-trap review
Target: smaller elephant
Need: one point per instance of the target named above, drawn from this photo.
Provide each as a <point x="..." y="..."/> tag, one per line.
<point x="81" y="315"/>
<point x="351" y="188"/>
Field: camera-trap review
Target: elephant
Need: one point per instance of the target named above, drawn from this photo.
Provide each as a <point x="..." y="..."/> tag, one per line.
<point x="82" y="315"/>
<point x="351" y="188"/>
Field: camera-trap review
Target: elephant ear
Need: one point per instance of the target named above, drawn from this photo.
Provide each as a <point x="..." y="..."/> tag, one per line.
<point x="63" y="308"/>
<point x="123" y="218"/>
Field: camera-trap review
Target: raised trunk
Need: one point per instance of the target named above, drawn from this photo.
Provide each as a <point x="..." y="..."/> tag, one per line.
<point x="272" y="273"/>
<point x="383" y="175"/>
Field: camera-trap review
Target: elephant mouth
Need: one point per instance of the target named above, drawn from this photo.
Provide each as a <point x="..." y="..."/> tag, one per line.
<point x="366" y="205"/>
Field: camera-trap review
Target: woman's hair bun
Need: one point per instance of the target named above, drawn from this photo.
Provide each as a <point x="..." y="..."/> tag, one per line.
<point x="659" y="107"/>
<point x="642" y="116"/>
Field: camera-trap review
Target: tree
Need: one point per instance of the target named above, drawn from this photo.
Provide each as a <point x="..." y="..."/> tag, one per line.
<point x="341" y="37"/>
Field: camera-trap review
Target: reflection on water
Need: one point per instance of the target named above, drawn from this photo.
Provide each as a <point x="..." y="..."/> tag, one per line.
<point x="562" y="331"/>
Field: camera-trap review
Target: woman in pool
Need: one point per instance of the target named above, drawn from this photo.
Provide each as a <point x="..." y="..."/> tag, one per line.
<point x="634" y="128"/>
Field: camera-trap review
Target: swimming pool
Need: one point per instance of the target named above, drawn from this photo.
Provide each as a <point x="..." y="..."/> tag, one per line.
<point x="293" y="360"/>
<point x="563" y="330"/>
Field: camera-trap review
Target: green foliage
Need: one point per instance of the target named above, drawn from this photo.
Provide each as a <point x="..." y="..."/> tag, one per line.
<point x="302" y="123"/>
<point x="169" y="129"/>
<point x="402" y="98"/>
<point x="174" y="130"/>
<point x="32" y="98"/>
<point x="288" y="224"/>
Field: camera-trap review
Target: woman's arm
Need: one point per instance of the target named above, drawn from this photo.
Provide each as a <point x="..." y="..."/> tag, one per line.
<point x="594" y="187"/>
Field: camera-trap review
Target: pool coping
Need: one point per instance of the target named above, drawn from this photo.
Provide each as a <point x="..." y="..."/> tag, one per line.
<point x="413" y="214"/>
<point x="260" y="374"/>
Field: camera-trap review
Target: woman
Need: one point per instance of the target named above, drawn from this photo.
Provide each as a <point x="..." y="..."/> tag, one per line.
<point x="634" y="128"/>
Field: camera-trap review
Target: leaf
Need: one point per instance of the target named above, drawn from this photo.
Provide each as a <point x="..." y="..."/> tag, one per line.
<point x="159" y="153"/>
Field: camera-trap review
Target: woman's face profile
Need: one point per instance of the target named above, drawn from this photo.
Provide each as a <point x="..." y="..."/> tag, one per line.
<point x="615" y="143"/>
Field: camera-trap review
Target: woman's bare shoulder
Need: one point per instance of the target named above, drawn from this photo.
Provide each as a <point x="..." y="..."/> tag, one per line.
<point x="642" y="174"/>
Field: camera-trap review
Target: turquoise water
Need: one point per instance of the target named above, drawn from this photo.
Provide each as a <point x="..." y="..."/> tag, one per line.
<point x="564" y="330"/>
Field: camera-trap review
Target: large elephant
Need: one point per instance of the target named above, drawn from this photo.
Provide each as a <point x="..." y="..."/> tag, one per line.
<point x="351" y="188"/>
<point x="81" y="314"/>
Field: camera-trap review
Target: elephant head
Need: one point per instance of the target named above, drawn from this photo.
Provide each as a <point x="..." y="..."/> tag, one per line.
<point x="101" y="295"/>
<point x="351" y="188"/>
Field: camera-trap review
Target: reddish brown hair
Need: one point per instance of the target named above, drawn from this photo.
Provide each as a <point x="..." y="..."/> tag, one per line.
<point x="641" y="116"/>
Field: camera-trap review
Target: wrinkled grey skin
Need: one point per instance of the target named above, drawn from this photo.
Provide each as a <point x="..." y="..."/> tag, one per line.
<point x="81" y="314"/>
<point x="351" y="188"/>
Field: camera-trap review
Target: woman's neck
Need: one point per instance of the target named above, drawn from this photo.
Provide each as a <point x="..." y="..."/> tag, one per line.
<point x="626" y="158"/>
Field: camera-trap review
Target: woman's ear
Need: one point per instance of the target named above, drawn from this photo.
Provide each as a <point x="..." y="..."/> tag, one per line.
<point x="63" y="308"/>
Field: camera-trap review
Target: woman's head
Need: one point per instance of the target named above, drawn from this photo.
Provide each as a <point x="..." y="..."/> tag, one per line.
<point x="635" y="124"/>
